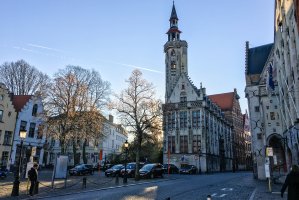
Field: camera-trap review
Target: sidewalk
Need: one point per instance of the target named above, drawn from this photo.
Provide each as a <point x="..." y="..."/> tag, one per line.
<point x="74" y="184"/>
<point x="262" y="191"/>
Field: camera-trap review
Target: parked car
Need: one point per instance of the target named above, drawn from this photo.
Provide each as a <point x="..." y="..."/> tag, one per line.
<point x="82" y="169"/>
<point x="3" y="173"/>
<point x="172" y="169"/>
<point x="131" y="168"/>
<point x="105" y="167"/>
<point x="115" y="170"/>
<point x="151" y="170"/>
<point x="188" y="169"/>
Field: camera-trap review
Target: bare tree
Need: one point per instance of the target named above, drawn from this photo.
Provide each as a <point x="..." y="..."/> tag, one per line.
<point x="23" y="79"/>
<point x="138" y="110"/>
<point x="76" y="97"/>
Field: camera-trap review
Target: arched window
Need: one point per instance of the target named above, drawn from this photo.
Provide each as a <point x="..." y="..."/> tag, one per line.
<point x="173" y="52"/>
<point x="34" y="110"/>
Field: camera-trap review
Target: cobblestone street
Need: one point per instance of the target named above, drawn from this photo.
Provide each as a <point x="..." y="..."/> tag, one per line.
<point x="224" y="186"/>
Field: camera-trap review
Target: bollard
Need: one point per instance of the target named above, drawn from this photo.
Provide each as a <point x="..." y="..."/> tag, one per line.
<point x="209" y="197"/>
<point x="84" y="183"/>
<point x="116" y="179"/>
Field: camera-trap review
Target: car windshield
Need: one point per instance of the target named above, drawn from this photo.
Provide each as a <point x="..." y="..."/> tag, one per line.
<point x="79" y="167"/>
<point x="147" y="167"/>
<point x="188" y="167"/>
<point x="131" y="166"/>
<point x="117" y="167"/>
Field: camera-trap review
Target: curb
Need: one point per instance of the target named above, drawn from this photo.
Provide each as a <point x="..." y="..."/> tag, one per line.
<point x="100" y="189"/>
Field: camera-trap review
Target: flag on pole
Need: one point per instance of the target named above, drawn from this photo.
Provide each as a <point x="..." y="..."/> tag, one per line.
<point x="270" y="81"/>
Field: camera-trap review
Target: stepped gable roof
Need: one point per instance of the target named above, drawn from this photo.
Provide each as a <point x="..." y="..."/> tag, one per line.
<point x="224" y="100"/>
<point x="19" y="101"/>
<point x="257" y="57"/>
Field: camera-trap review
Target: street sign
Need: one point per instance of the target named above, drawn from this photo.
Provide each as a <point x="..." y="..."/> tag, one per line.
<point x="267" y="170"/>
<point x="269" y="151"/>
<point x="275" y="159"/>
<point x="33" y="151"/>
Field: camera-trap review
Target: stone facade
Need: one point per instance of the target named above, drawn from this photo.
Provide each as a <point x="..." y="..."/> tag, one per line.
<point x="195" y="129"/>
<point x="229" y="104"/>
<point x="273" y="95"/>
<point x="7" y="126"/>
<point x="286" y="62"/>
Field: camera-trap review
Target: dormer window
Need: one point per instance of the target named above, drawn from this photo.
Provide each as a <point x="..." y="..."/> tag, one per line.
<point x="34" y="110"/>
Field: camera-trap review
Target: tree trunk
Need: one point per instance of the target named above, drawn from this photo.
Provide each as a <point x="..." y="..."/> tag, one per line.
<point x="139" y="141"/>
<point x="137" y="176"/>
<point x="76" y="157"/>
<point x="84" y="152"/>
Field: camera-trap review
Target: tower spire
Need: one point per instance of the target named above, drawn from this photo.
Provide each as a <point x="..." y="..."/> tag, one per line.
<point x="173" y="32"/>
<point x="173" y="13"/>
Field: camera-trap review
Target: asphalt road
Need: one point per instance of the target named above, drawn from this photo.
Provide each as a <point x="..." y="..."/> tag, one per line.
<point x="223" y="186"/>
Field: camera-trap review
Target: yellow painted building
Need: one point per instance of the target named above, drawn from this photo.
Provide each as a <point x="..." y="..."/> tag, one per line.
<point x="7" y="125"/>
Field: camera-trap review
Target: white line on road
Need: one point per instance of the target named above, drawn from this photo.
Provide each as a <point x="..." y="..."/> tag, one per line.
<point x="213" y="194"/>
<point x="227" y="189"/>
<point x="252" y="195"/>
<point x="223" y="195"/>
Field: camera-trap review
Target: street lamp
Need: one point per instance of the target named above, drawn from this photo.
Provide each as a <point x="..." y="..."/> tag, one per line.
<point x="126" y="145"/>
<point x="16" y="183"/>
<point x="199" y="154"/>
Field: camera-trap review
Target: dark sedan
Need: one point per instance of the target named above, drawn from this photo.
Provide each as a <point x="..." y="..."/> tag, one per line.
<point x="188" y="169"/>
<point x="3" y="173"/>
<point x="131" y="169"/>
<point x="171" y="168"/>
<point x="115" y="170"/>
<point x="82" y="169"/>
<point x="151" y="171"/>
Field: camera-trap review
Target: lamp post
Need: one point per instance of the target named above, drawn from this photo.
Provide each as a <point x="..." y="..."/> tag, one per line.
<point x="126" y="154"/>
<point x="16" y="183"/>
<point x="199" y="154"/>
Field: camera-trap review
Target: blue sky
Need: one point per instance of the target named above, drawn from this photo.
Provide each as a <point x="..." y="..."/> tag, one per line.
<point x="115" y="36"/>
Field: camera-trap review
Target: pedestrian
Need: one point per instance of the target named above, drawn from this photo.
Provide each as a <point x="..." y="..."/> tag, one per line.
<point x="32" y="174"/>
<point x="292" y="183"/>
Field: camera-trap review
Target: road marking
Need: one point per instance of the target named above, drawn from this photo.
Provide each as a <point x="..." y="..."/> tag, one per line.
<point x="220" y="196"/>
<point x="213" y="194"/>
<point x="252" y="195"/>
<point x="227" y="189"/>
<point x="278" y="193"/>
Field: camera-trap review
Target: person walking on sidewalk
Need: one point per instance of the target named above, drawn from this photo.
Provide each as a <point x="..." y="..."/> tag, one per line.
<point x="32" y="174"/>
<point x="292" y="183"/>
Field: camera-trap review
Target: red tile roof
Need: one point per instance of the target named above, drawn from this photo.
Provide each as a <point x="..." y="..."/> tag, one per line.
<point x="19" y="101"/>
<point x="224" y="100"/>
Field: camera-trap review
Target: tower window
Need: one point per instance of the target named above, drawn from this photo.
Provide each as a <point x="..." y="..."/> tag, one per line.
<point x="172" y="53"/>
<point x="183" y="86"/>
<point x="173" y="65"/>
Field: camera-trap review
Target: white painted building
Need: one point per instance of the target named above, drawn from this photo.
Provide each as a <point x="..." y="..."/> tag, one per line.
<point x="29" y="117"/>
<point x="114" y="135"/>
<point x="195" y="129"/>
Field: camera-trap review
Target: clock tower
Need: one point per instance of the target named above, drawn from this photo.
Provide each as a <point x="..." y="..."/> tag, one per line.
<point x="175" y="51"/>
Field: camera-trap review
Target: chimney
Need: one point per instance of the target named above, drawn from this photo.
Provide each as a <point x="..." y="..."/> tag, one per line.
<point x="111" y="118"/>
